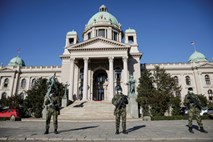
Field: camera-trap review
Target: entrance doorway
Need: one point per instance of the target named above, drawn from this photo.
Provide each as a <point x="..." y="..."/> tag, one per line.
<point x="99" y="79"/>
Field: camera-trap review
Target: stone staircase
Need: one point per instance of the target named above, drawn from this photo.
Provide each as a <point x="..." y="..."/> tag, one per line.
<point x="88" y="110"/>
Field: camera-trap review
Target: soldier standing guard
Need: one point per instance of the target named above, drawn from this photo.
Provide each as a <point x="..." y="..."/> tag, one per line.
<point x="53" y="108"/>
<point x="192" y="102"/>
<point x="52" y="104"/>
<point x="120" y="101"/>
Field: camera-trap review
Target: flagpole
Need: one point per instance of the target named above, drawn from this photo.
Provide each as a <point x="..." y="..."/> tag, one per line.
<point x="193" y="44"/>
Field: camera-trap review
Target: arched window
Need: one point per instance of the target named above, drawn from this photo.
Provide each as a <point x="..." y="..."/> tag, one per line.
<point x="23" y="83"/>
<point x="33" y="82"/>
<point x="207" y="79"/>
<point x="118" y="74"/>
<point x="176" y="80"/>
<point x="188" y="81"/>
<point x="22" y="96"/>
<point x="4" y="95"/>
<point x="6" y="83"/>
<point x="210" y="93"/>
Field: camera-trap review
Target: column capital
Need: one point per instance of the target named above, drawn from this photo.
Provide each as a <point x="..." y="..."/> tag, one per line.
<point x="72" y="59"/>
<point x="125" y="58"/>
<point x="86" y="58"/>
<point x="111" y="59"/>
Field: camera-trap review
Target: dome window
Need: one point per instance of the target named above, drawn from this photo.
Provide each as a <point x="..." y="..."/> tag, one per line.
<point x="101" y="32"/>
<point x="89" y="35"/>
<point x="114" y="36"/>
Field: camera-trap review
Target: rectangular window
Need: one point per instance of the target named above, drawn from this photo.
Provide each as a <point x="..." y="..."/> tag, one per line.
<point x="89" y="35"/>
<point x="101" y="32"/>
<point x="71" y="40"/>
<point x="115" y="36"/>
<point x="130" y="39"/>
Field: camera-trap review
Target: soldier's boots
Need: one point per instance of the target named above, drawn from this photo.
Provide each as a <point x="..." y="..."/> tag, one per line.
<point x="56" y="132"/>
<point x="125" y="132"/>
<point x="203" y="130"/>
<point x="117" y="132"/>
<point x="46" y="132"/>
<point x="190" y="130"/>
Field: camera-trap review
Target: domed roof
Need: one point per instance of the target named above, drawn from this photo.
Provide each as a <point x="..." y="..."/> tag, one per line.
<point x="130" y="31"/>
<point x="197" y="57"/>
<point x="72" y="32"/>
<point x="16" y="61"/>
<point x="102" y="16"/>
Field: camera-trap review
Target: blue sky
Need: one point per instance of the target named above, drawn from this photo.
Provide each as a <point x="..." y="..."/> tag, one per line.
<point x="164" y="28"/>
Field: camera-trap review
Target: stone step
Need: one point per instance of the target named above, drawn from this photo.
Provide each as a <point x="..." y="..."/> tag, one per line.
<point x="88" y="110"/>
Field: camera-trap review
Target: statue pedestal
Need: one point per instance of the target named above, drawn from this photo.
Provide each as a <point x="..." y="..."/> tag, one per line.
<point x="133" y="106"/>
<point x="64" y="102"/>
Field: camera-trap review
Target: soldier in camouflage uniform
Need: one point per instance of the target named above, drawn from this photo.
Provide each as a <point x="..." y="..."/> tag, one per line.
<point x="192" y="102"/>
<point x="120" y="101"/>
<point x="53" y="108"/>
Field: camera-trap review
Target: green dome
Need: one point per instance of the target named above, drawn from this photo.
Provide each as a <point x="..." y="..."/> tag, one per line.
<point x="197" y="57"/>
<point x="72" y="33"/>
<point x="16" y="61"/>
<point x="103" y="16"/>
<point x="130" y="31"/>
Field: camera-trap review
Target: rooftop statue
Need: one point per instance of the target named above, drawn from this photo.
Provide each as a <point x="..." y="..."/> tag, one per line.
<point x="51" y="84"/>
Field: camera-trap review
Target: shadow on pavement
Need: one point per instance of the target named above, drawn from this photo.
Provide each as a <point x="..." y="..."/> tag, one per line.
<point x="135" y="128"/>
<point x="194" y="127"/>
<point x="80" y="105"/>
<point x="76" y="129"/>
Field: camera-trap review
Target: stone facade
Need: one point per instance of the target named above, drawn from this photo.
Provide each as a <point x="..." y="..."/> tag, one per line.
<point x="198" y="75"/>
<point x="95" y="67"/>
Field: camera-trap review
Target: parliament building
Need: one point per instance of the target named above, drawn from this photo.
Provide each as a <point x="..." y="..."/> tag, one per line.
<point x="104" y="60"/>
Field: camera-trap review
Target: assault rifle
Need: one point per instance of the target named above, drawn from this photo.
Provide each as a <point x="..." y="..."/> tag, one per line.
<point x="195" y="102"/>
<point x="52" y="104"/>
<point x="121" y="102"/>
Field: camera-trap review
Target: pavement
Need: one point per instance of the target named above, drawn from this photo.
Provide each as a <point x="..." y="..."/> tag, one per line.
<point x="104" y="130"/>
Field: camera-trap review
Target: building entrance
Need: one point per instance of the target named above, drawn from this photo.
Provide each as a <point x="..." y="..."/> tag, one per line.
<point x="99" y="79"/>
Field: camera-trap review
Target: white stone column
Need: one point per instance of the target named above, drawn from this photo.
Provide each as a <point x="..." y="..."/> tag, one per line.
<point x="85" y="83"/>
<point x="16" y="81"/>
<point x="111" y="78"/>
<point x="13" y="84"/>
<point x="125" y="75"/>
<point x="71" y="78"/>
<point x="28" y="83"/>
<point x="93" y="34"/>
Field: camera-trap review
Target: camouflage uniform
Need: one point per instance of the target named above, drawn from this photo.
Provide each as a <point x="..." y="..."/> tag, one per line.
<point x="192" y="102"/>
<point x="120" y="111"/>
<point x="52" y="110"/>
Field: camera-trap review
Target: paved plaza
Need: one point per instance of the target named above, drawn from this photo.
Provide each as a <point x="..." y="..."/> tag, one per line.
<point x="96" y="130"/>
